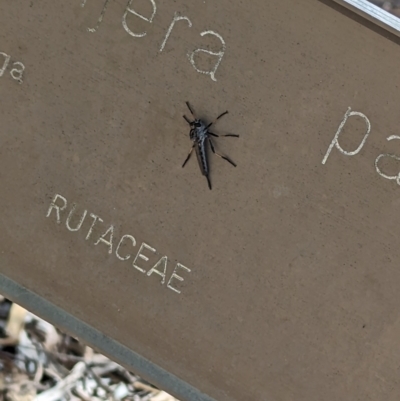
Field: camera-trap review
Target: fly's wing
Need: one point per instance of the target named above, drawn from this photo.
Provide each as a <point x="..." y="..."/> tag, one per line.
<point x="201" y="153"/>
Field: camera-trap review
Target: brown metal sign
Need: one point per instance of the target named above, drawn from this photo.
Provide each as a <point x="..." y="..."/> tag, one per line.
<point x="280" y="283"/>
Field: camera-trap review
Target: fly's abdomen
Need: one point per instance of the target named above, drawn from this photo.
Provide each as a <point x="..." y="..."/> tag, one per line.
<point x="201" y="153"/>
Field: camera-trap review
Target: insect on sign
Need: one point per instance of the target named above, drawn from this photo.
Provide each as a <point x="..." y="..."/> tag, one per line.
<point x="200" y="135"/>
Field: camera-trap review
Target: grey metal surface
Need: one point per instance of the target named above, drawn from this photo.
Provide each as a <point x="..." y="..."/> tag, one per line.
<point x="280" y="283"/>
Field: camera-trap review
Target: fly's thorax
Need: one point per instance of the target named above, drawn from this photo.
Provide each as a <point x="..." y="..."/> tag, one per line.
<point x="198" y="131"/>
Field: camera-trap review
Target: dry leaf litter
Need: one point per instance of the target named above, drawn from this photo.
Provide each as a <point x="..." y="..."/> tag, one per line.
<point x="40" y="363"/>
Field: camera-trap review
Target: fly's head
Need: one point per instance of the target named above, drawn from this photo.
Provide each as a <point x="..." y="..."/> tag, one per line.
<point x="197" y="129"/>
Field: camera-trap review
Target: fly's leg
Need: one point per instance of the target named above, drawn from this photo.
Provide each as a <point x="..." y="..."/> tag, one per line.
<point x="222" y="114"/>
<point x="223" y="157"/>
<point x="188" y="156"/>
<point x="190" y="109"/>
<point x="191" y="112"/>
<point x="217" y="136"/>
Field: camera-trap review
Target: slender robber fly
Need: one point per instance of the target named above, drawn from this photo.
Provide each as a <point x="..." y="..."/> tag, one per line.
<point x="201" y="136"/>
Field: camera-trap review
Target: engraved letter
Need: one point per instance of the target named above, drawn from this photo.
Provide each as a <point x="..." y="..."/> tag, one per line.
<point x="108" y="242"/>
<point x="79" y="225"/>
<point x="100" y="20"/>
<point x="130" y="10"/>
<point x="95" y="218"/>
<point x="141" y="256"/>
<point x="388" y="177"/>
<point x="17" y="73"/>
<point x="174" y="275"/>
<point x="120" y="243"/>
<point x="57" y="208"/>
<point x="5" y="64"/>
<point x="177" y="17"/>
<point x="219" y="54"/>
<point x="335" y="141"/>
<point x="161" y="262"/>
